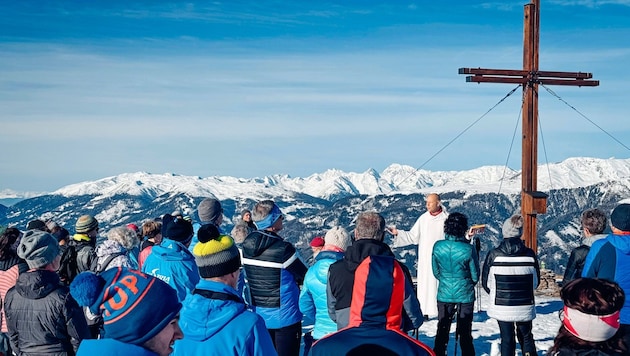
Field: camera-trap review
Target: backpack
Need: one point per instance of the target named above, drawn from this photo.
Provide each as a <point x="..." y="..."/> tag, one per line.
<point x="106" y="263"/>
<point x="68" y="267"/>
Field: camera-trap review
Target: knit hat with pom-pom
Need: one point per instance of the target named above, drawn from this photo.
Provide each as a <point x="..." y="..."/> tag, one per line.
<point x="216" y="255"/>
<point x="135" y="306"/>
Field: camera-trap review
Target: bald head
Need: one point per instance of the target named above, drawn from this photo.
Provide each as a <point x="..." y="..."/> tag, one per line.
<point x="433" y="203"/>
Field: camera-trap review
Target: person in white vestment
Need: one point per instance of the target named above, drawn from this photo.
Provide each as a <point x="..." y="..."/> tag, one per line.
<point x="428" y="229"/>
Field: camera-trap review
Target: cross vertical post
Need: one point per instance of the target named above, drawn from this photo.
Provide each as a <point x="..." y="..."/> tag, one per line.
<point x="532" y="201"/>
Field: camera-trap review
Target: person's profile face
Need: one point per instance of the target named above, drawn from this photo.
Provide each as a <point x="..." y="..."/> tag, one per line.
<point x="162" y="343"/>
<point x="247" y="217"/>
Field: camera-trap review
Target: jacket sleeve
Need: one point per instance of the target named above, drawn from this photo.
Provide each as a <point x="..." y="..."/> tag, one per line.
<point x="296" y="266"/>
<point x="569" y="272"/>
<point x="75" y="322"/>
<point x="411" y="237"/>
<point x="411" y="305"/>
<point x="331" y="301"/>
<point x="486" y="270"/>
<point x="435" y="265"/>
<point x="307" y="305"/>
<point x="474" y="266"/>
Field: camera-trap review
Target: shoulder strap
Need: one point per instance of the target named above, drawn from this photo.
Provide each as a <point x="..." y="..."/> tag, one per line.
<point x="218" y="295"/>
<point x="108" y="260"/>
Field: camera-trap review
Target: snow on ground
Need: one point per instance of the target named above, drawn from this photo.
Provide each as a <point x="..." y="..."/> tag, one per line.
<point x="485" y="330"/>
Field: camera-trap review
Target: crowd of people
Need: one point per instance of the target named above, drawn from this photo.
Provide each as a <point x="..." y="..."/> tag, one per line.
<point x="175" y="286"/>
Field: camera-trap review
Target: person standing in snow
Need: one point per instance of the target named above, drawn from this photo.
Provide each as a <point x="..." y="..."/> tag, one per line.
<point x="594" y="223"/>
<point x="510" y="275"/>
<point x="313" y="300"/>
<point x="609" y="259"/>
<point x="369" y="233"/>
<point x="428" y="229"/>
<point x="41" y="316"/>
<point x="215" y="319"/>
<point x="274" y="272"/>
<point x="171" y="261"/>
<point x="456" y="267"/>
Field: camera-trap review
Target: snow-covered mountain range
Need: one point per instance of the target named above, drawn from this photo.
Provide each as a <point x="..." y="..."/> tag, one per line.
<point x="334" y="184"/>
<point x="316" y="203"/>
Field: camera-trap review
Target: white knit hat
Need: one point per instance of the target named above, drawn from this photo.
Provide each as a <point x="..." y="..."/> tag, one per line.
<point x="339" y="237"/>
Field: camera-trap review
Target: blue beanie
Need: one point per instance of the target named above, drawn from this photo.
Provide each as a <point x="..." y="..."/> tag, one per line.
<point x="270" y="219"/>
<point x="135" y="306"/>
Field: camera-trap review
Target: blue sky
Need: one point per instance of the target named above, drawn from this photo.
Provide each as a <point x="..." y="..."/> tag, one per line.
<point x="93" y="89"/>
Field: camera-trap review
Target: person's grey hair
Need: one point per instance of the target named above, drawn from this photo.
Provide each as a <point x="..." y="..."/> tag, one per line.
<point x="239" y="232"/>
<point x="594" y="220"/>
<point x="124" y="236"/>
<point x="262" y="209"/>
<point x="370" y="225"/>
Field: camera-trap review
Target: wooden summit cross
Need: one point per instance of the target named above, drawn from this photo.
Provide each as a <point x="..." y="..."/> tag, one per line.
<point x="532" y="201"/>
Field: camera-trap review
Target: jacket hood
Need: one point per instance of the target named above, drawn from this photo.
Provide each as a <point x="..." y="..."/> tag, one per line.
<point x="512" y="246"/>
<point x="621" y="242"/>
<point x="321" y="273"/>
<point x="37" y="284"/>
<point x="202" y="318"/>
<point x="258" y="241"/>
<point x="363" y="248"/>
<point x="378" y="294"/>
<point x="589" y="240"/>
<point x="171" y="250"/>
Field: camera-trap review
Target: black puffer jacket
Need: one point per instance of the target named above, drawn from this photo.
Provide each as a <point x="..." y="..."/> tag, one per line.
<point x="42" y="317"/>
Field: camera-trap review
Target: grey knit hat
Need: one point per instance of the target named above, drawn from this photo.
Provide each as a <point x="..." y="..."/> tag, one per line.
<point x="38" y="248"/>
<point x="85" y="224"/>
<point x="339" y="237"/>
<point x="209" y="210"/>
<point x="513" y="227"/>
<point x="216" y="255"/>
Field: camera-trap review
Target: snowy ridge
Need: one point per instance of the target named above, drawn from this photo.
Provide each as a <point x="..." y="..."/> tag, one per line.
<point x="333" y="183"/>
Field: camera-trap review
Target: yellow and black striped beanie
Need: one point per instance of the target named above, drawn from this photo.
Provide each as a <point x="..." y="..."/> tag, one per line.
<point x="216" y="255"/>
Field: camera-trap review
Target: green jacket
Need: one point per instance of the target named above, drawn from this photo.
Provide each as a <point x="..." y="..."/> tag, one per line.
<point x="456" y="267"/>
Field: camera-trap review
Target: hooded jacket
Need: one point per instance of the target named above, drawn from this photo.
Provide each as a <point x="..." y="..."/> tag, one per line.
<point x="456" y="267"/>
<point x="609" y="258"/>
<point x="510" y="275"/>
<point x="274" y="272"/>
<point x="42" y="316"/>
<point x="221" y="327"/>
<point x="375" y="315"/>
<point x="313" y="296"/>
<point x="341" y="279"/>
<point x="173" y="263"/>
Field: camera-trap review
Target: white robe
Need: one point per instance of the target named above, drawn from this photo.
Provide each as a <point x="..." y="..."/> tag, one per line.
<point x="425" y="232"/>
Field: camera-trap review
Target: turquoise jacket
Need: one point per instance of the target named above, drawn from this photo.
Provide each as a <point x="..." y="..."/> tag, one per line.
<point x="221" y="325"/>
<point x="456" y="267"/>
<point x="313" y="303"/>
